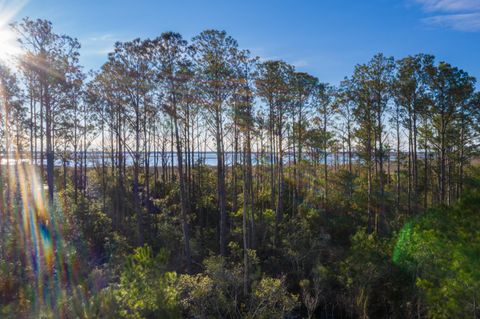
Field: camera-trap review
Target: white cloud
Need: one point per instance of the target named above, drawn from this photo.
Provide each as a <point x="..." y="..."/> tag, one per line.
<point x="469" y="22"/>
<point x="449" y="5"/>
<point x="460" y="15"/>
<point x="98" y="44"/>
<point x="100" y="38"/>
<point x="300" y="63"/>
<point x="97" y="51"/>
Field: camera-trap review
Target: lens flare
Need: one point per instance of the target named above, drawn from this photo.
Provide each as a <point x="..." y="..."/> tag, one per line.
<point x="39" y="238"/>
<point x="9" y="47"/>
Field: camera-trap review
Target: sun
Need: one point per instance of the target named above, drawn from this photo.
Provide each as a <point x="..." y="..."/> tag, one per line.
<point x="9" y="48"/>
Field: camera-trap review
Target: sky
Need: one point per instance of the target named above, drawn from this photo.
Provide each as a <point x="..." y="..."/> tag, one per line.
<point x="323" y="37"/>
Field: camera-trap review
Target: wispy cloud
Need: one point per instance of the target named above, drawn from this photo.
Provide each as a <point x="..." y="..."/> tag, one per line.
<point x="449" y="5"/>
<point x="100" y="37"/>
<point x="98" y="44"/>
<point x="300" y="63"/>
<point x="460" y="15"/>
<point x="468" y="22"/>
<point x="97" y="51"/>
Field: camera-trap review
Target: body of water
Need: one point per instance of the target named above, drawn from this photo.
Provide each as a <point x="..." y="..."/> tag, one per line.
<point x="167" y="158"/>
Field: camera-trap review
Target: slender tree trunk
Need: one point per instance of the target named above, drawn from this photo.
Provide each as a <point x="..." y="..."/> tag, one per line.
<point x="442" y="163"/>
<point x="281" y="186"/>
<point x="397" y="122"/>
<point x="381" y="221"/>
<point x="50" y="151"/>
<point x="246" y="199"/>
<point x="183" y="194"/>
<point x="221" y="182"/>
<point x="325" y="156"/>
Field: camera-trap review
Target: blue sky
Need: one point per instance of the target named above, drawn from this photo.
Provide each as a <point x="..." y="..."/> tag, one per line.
<point x="324" y="38"/>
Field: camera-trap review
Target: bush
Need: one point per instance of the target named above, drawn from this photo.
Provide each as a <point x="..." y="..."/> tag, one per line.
<point x="218" y="293"/>
<point x="145" y="289"/>
<point x="442" y="250"/>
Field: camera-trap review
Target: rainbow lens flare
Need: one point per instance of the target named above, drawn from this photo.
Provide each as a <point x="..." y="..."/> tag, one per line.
<point x="48" y="265"/>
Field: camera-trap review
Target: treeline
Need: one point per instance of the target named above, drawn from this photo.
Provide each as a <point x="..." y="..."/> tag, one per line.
<point x="313" y="165"/>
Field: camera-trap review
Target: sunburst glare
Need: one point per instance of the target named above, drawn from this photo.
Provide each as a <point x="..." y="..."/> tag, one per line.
<point x="9" y="48"/>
